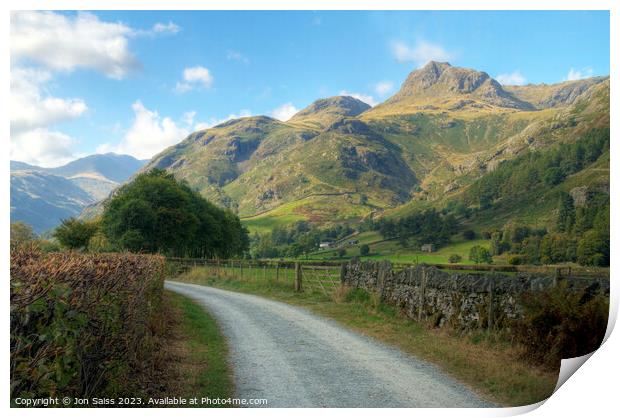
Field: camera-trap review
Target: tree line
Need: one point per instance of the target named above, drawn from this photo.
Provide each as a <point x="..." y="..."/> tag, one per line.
<point x="538" y="169"/>
<point x="581" y="235"/>
<point x="299" y="239"/>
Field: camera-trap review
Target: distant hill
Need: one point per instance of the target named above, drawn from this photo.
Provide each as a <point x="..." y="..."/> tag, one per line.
<point x="42" y="196"/>
<point x="113" y="167"/>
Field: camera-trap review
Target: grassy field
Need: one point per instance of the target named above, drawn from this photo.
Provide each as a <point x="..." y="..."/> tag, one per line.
<point x="198" y="352"/>
<point x="391" y="250"/>
<point x="483" y="361"/>
<point x="324" y="209"/>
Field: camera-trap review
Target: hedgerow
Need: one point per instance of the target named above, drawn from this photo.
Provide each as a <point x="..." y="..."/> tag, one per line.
<point x="81" y="323"/>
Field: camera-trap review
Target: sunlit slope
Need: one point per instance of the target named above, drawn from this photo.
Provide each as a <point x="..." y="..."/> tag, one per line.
<point x="446" y="127"/>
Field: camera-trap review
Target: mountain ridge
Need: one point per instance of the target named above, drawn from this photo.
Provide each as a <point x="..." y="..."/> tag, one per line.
<point x="445" y="127"/>
<point x="42" y="196"/>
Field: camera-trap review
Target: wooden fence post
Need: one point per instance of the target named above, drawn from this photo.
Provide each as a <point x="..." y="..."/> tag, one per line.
<point x="343" y="273"/>
<point x="422" y="293"/>
<point x="491" y="302"/>
<point x="277" y="271"/>
<point x="297" y="277"/>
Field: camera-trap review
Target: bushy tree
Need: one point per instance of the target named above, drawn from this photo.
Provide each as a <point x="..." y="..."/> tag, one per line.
<point x="156" y="213"/>
<point x="469" y="235"/>
<point x="455" y="259"/>
<point x="425" y="227"/>
<point x="21" y="233"/>
<point x="480" y="255"/>
<point x="557" y="248"/>
<point x="593" y="249"/>
<point x="566" y="213"/>
<point x="74" y="233"/>
<point x="364" y="250"/>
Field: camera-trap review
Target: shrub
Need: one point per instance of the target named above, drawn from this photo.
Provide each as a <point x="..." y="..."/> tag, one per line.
<point x="468" y="234"/>
<point x="479" y="255"/>
<point x="47" y="246"/>
<point x="81" y="322"/>
<point x="21" y="234"/>
<point x="98" y="243"/>
<point x="593" y="249"/>
<point x="342" y="252"/>
<point x="559" y="323"/>
<point x="364" y="249"/>
<point x="455" y="258"/>
<point x="515" y="260"/>
<point x="74" y="233"/>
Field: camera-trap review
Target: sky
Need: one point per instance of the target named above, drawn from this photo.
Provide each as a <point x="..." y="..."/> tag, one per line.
<point x="136" y="82"/>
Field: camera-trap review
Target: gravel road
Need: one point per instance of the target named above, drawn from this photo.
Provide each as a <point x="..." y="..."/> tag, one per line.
<point x="294" y="358"/>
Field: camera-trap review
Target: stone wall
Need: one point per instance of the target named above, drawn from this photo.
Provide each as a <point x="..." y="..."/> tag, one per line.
<point x="462" y="300"/>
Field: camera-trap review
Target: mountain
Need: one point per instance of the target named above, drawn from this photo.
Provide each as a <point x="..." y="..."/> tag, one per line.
<point x="544" y="96"/>
<point x="341" y="160"/>
<point x="42" y="196"/>
<point x="258" y="163"/>
<point x="112" y="167"/>
<point x="325" y="112"/>
<point x="42" y="200"/>
<point x="440" y="83"/>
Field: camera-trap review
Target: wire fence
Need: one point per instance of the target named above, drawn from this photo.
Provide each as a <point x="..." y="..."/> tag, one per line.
<point x="274" y="267"/>
<point x="323" y="278"/>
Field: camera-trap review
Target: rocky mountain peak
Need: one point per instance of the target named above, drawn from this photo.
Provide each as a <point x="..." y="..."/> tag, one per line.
<point x="440" y="80"/>
<point x="337" y="105"/>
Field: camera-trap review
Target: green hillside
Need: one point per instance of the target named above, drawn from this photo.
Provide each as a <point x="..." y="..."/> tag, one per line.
<point x="339" y="161"/>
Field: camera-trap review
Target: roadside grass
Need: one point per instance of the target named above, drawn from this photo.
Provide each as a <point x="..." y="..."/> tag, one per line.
<point x="486" y="362"/>
<point x="198" y="352"/>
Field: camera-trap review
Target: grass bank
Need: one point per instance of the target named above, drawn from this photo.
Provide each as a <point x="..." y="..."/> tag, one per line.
<point x="485" y="362"/>
<point x="197" y="352"/>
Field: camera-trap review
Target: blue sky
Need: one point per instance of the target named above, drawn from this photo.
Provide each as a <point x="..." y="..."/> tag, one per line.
<point x="136" y="82"/>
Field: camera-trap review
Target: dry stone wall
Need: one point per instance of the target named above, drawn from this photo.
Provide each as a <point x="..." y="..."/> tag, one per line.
<point x="462" y="300"/>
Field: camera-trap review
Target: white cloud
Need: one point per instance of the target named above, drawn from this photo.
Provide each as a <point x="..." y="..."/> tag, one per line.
<point x="284" y="112"/>
<point x="64" y="43"/>
<point x="33" y="113"/>
<point x="420" y="54"/>
<point x="188" y="117"/>
<point x="514" y="78"/>
<point x="43" y="43"/>
<point x="31" y="109"/>
<point x="194" y="77"/>
<point x="158" y="29"/>
<point x="579" y="74"/>
<point x="384" y="87"/>
<point x="366" y="98"/>
<point x="149" y="133"/>
<point x="237" y="56"/>
<point x="166" y="28"/>
<point x="244" y="113"/>
<point x="42" y="147"/>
